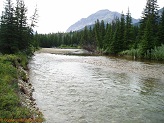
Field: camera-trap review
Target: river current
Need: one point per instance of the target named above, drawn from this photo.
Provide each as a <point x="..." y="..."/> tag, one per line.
<point x="97" y="89"/>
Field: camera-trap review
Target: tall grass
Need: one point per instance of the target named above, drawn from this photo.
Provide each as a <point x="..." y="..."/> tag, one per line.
<point x="154" y="54"/>
<point x="157" y="53"/>
<point x="135" y="53"/>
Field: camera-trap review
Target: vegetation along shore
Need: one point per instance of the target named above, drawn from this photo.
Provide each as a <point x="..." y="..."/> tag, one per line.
<point x="17" y="45"/>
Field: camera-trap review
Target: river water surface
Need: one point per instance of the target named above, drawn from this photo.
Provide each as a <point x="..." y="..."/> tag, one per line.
<point x="97" y="89"/>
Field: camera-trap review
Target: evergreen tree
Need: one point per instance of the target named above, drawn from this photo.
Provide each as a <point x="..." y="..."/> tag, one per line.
<point x="22" y="27"/>
<point x="147" y="43"/>
<point x="149" y="23"/>
<point x="97" y="34"/>
<point x="135" y="37"/>
<point x="102" y="34"/>
<point x="107" y="38"/>
<point x="8" y="43"/>
<point x="121" y="32"/>
<point x="15" y="33"/>
<point x="150" y="11"/>
<point x="128" y="31"/>
<point x="161" y="29"/>
<point x="85" y="37"/>
<point x="116" y="44"/>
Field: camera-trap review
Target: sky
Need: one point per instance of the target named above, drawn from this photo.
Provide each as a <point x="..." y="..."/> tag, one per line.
<point x="59" y="15"/>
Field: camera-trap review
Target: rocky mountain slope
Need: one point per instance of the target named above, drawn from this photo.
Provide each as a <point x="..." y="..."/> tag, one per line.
<point x="105" y="15"/>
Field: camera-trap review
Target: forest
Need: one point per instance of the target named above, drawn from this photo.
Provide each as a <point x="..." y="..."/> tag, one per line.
<point x="121" y="37"/>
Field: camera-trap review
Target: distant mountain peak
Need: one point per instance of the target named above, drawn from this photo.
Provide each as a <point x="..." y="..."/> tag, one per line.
<point x="104" y="14"/>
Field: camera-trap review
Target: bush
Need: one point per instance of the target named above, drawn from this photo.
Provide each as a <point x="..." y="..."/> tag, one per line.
<point x="156" y="54"/>
<point x="133" y="52"/>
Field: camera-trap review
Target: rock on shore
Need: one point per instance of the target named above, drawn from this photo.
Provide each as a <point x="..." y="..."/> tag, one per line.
<point x="26" y="95"/>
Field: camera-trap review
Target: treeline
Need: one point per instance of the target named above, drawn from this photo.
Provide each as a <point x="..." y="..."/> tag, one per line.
<point x="16" y="35"/>
<point x="119" y="37"/>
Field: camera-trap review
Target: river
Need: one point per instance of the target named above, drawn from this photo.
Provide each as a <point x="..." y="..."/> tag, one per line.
<point x="97" y="89"/>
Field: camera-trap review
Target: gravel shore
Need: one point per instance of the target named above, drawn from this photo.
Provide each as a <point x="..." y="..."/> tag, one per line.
<point x="64" y="51"/>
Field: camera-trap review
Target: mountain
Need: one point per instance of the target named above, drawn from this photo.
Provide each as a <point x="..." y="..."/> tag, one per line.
<point x="105" y="15"/>
<point x="160" y="11"/>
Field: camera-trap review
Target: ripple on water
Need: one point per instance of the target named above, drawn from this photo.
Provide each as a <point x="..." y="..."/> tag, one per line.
<point x="77" y="89"/>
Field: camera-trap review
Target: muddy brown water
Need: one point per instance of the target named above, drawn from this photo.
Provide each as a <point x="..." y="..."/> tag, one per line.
<point x="97" y="89"/>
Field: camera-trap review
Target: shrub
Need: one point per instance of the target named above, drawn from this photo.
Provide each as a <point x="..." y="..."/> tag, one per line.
<point x="155" y="54"/>
<point x="133" y="52"/>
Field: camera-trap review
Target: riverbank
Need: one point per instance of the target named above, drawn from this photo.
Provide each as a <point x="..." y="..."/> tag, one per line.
<point x="17" y="103"/>
<point x="64" y="51"/>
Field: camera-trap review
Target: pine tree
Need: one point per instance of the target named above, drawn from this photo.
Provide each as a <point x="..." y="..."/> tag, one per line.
<point x="149" y="23"/>
<point x="121" y="32"/>
<point x="147" y="43"/>
<point x="97" y="34"/>
<point x="102" y="34"/>
<point x="8" y="43"/>
<point x="128" y="31"/>
<point x="116" y="44"/>
<point x="161" y="29"/>
<point x="15" y="33"/>
<point x="85" y="36"/>
<point x="150" y="11"/>
<point x="107" y="39"/>
<point x="22" y="27"/>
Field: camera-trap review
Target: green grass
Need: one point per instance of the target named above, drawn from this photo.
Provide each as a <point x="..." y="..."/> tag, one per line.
<point x="133" y="52"/>
<point x="155" y="54"/>
<point x="10" y="104"/>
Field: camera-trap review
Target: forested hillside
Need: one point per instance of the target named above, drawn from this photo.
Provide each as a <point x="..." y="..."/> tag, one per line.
<point x="119" y="37"/>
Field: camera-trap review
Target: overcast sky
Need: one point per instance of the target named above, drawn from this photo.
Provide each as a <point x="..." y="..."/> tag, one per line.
<point x="58" y="15"/>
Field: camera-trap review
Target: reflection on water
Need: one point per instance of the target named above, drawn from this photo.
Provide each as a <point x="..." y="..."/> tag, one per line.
<point x="78" y="89"/>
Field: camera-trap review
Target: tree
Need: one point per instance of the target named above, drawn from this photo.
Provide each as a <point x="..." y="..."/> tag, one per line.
<point x="121" y="32"/>
<point x="97" y="33"/>
<point x="149" y="24"/>
<point x="147" y="44"/>
<point x="128" y="31"/>
<point x="85" y="37"/>
<point x="22" y="26"/>
<point x="102" y="34"/>
<point x="116" y="43"/>
<point x="161" y="29"/>
<point x="107" y="39"/>
<point x="15" y="33"/>
<point x="8" y="42"/>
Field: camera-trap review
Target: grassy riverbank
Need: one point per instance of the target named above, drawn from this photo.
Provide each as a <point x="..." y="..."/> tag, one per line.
<point x="16" y="102"/>
<point x="154" y="54"/>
